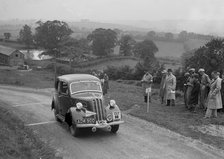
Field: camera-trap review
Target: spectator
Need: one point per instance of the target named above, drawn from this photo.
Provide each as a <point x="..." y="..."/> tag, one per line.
<point x="195" y="92"/>
<point x="94" y="74"/>
<point x="105" y="83"/>
<point x="186" y="77"/>
<point x="189" y="86"/>
<point x="170" y="85"/>
<point x="204" y="87"/>
<point x="147" y="86"/>
<point x="222" y="92"/>
<point x="214" y="97"/>
<point x="162" y="90"/>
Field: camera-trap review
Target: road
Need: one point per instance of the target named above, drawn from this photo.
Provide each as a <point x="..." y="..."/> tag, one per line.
<point x="135" y="139"/>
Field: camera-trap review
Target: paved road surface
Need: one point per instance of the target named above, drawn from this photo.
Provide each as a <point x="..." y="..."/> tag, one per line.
<point x="136" y="138"/>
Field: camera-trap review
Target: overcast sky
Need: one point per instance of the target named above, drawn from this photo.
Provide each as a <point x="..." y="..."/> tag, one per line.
<point x="112" y="10"/>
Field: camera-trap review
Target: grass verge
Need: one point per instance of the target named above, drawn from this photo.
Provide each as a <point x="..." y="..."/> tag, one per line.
<point x="177" y="118"/>
<point x="18" y="141"/>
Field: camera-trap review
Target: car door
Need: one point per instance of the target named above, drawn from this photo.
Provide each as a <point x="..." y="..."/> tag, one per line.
<point x="64" y="98"/>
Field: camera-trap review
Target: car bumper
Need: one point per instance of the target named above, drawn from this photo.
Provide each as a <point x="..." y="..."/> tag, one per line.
<point x="105" y="125"/>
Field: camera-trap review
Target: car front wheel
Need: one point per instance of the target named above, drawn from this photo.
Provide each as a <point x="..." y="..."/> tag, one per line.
<point x="74" y="130"/>
<point x="55" y="115"/>
<point x="114" y="128"/>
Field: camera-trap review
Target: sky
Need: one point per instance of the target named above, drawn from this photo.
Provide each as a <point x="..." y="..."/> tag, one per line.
<point x="112" y="10"/>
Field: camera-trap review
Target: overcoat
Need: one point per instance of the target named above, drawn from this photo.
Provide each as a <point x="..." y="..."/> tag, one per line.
<point x="214" y="96"/>
<point x="170" y="85"/>
<point x="195" y="93"/>
<point x="162" y="90"/>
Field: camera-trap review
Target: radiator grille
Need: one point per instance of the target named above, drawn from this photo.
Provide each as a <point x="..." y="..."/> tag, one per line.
<point x="98" y="109"/>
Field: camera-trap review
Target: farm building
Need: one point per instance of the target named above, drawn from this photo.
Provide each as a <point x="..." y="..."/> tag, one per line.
<point x="11" y="57"/>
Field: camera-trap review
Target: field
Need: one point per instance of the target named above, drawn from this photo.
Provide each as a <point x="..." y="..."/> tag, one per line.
<point x="169" y="49"/>
<point x="176" y="118"/>
<point x="175" y="49"/>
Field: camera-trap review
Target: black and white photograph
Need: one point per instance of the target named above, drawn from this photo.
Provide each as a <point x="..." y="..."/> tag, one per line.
<point x="111" y="79"/>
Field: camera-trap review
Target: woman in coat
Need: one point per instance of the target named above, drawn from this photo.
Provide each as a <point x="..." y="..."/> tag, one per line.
<point x="214" y="96"/>
<point x="162" y="90"/>
<point x="170" y="86"/>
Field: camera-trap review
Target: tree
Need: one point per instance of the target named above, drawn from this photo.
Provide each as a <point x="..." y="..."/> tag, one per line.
<point x="151" y="35"/>
<point x="146" y="50"/>
<point x="183" y="35"/>
<point x="103" y="41"/>
<point x="126" y="45"/>
<point x="169" y="36"/>
<point x="50" y="35"/>
<point x="25" y="36"/>
<point x="7" y="36"/>
<point x="210" y="57"/>
<point x="74" y="49"/>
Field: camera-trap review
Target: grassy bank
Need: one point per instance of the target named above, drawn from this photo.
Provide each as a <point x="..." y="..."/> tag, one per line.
<point x="177" y="118"/>
<point x="18" y="141"/>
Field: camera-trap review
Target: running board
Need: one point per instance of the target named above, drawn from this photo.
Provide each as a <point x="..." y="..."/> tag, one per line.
<point x="60" y="117"/>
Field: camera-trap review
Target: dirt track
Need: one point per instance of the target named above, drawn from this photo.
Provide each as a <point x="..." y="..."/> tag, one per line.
<point x="135" y="139"/>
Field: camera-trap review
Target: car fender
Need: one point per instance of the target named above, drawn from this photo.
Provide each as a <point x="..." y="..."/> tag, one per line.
<point x="73" y="115"/>
<point x="110" y="111"/>
<point x="54" y="102"/>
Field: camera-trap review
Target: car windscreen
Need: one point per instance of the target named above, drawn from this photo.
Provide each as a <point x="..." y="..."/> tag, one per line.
<point x="85" y="86"/>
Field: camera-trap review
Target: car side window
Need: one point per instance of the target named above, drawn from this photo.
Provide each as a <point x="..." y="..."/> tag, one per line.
<point x="63" y="88"/>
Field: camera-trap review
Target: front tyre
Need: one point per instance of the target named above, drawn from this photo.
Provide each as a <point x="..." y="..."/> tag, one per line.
<point x="114" y="128"/>
<point x="74" y="130"/>
<point x="55" y="115"/>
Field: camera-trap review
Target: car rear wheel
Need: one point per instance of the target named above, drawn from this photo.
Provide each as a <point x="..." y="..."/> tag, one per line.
<point x="55" y="115"/>
<point x="114" y="128"/>
<point x="74" y="130"/>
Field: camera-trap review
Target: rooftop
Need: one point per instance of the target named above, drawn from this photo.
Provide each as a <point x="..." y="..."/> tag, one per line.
<point x="78" y="77"/>
<point x="6" y="50"/>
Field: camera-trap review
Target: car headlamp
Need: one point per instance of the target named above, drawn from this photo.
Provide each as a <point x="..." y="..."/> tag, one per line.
<point x="79" y="105"/>
<point x="112" y="103"/>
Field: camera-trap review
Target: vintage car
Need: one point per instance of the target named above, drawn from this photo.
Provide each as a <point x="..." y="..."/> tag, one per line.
<point x="78" y="101"/>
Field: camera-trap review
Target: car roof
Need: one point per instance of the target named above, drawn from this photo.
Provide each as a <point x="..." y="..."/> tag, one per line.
<point x="77" y="77"/>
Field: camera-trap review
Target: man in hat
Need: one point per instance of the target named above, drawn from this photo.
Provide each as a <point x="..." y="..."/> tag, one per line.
<point x="186" y="78"/>
<point x="189" y="87"/>
<point x="170" y="86"/>
<point x="204" y="87"/>
<point x="195" y="92"/>
<point x="162" y="90"/>
<point x="146" y="84"/>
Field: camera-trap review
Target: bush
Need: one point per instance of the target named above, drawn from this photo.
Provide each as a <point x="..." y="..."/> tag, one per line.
<point x="124" y="72"/>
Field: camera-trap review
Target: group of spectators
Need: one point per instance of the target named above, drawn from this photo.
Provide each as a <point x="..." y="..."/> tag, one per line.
<point x="200" y="91"/>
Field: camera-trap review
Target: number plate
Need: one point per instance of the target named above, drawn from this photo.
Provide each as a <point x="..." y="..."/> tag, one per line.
<point x="116" y="115"/>
<point x="86" y="121"/>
